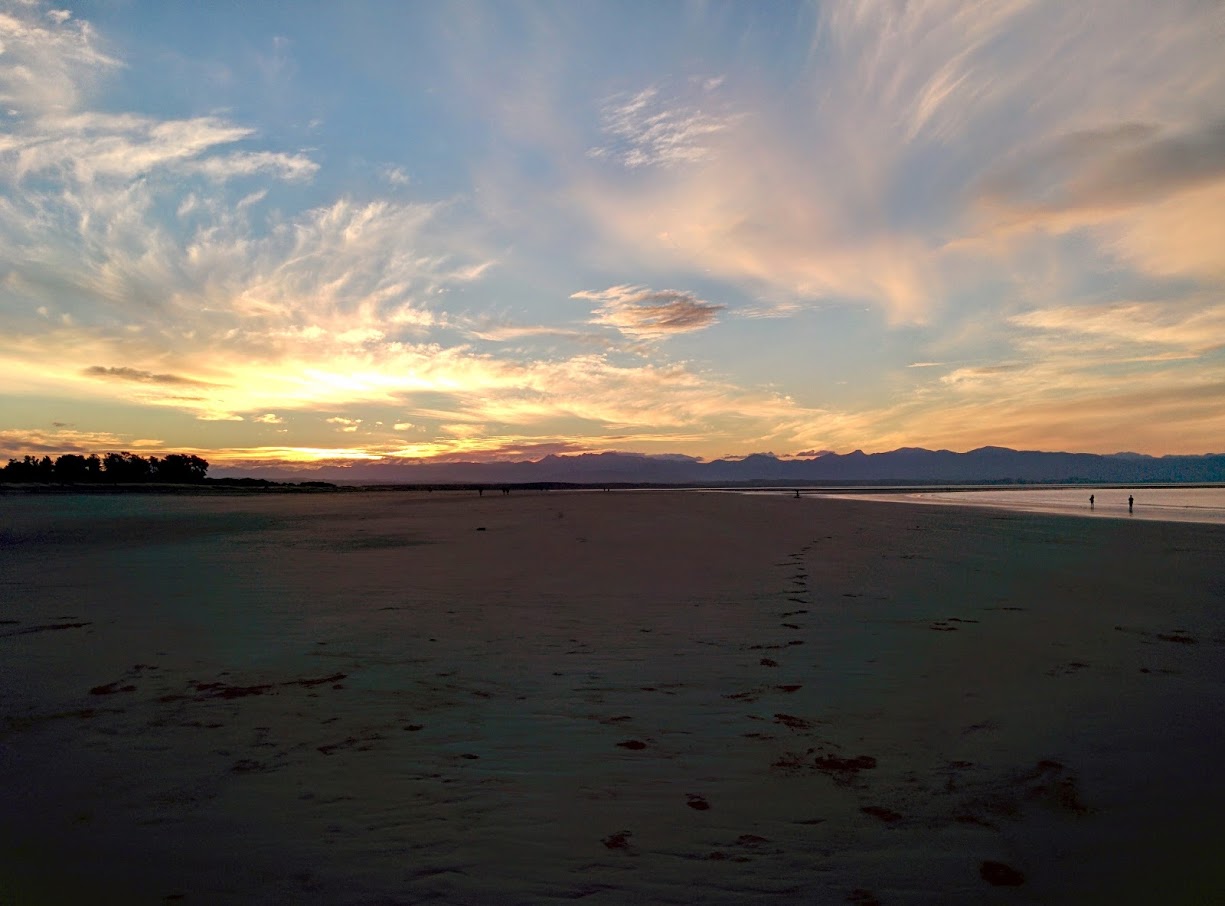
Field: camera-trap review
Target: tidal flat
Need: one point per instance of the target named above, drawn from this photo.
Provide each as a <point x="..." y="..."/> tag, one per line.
<point x="669" y="697"/>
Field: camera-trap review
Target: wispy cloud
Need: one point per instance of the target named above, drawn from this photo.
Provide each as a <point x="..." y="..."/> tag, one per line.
<point x="87" y="147"/>
<point x="396" y="176"/>
<point x="23" y="442"/>
<point x="1089" y="175"/>
<point x="639" y="312"/>
<point x="49" y="62"/>
<point x="1181" y="236"/>
<point x="341" y="284"/>
<point x="866" y="179"/>
<point x="134" y="374"/>
<point x="503" y="333"/>
<point x="647" y="129"/>
<point x="1193" y="327"/>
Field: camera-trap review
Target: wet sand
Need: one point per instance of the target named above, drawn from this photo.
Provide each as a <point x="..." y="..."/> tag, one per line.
<point x="621" y="697"/>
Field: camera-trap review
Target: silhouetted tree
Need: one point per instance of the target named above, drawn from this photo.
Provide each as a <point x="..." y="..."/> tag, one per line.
<point x="181" y="468"/>
<point x="30" y="468"/>
<point x="178" y="468"/>
<point x="71" y="467"/>
<point x="20" y="469"/>
<point x="126" y="467"/>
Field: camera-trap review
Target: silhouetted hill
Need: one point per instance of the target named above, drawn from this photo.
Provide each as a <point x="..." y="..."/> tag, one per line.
<point x="909" y="464"/>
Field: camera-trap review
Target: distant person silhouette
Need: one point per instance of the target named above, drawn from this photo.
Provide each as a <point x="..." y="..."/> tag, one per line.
<point x="1090" y="501"/>
<point x="1131" y="501"/>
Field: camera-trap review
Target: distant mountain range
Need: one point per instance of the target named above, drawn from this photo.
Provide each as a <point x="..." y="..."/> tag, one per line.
<point x="909" y="464"/>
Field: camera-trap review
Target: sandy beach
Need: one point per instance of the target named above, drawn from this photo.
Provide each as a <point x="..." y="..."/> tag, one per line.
<point x="622" y="697"/>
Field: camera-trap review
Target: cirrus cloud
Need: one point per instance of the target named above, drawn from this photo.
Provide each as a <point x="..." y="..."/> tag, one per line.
<point x="645" y="129"/>
<point x="135" y="374"/>
<point x="644" y="313"/>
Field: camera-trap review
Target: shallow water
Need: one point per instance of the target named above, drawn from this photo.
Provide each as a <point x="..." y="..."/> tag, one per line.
<point x="1161" y="504"/>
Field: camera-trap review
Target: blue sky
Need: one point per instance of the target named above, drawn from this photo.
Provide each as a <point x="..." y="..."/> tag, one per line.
<point x="309" y="233"/>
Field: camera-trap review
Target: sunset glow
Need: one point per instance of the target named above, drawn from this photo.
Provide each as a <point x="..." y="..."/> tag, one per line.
<point x="314" y="233"/>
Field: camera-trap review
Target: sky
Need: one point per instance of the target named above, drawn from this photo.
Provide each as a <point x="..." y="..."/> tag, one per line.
<point x="319" y="233"/>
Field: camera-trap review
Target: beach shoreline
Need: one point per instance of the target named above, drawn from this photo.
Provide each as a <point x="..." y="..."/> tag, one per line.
<point x="1203" y="504"/>
<point x="628" y="696"/>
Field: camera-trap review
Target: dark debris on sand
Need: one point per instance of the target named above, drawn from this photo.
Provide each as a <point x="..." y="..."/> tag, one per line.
<point x="619" y="840"/>
<point x="791" y="722"/>
<point x="227" y="691"/>
<point x="831" y="764"/>
<point x="889" y="816"/>
<point x="46" y="627"/>
<point x="112" y="688"/>
<point x="1000" y="875"/>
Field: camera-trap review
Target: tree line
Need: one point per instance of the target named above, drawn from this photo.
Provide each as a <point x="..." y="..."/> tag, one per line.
<point x="74" y="468"/>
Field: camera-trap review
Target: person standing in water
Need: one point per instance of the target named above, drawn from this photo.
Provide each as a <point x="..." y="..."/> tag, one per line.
<point x="1130" y="502"/>
<point x="1090" y="501"/>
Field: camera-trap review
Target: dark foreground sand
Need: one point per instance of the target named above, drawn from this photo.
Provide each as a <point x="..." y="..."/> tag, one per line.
<point x="625" y="697"/>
